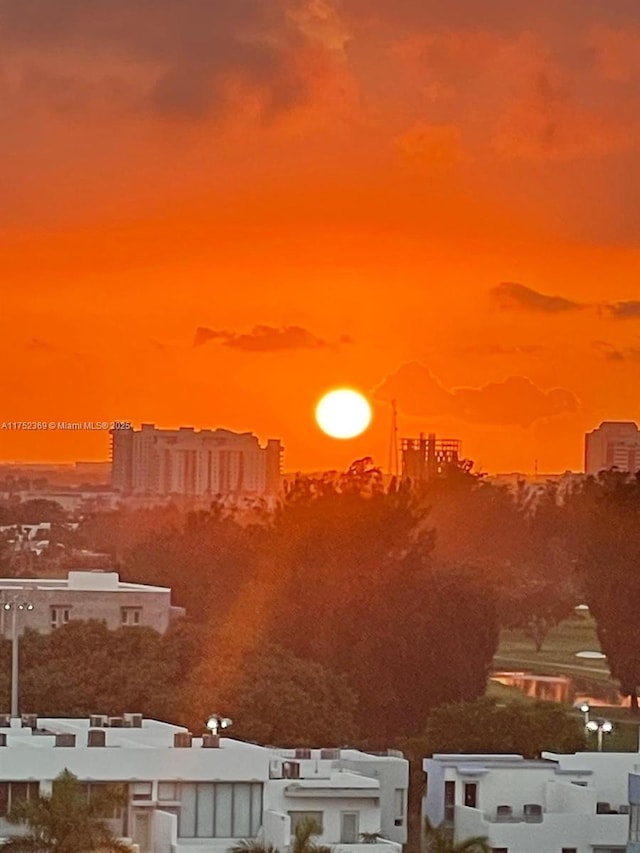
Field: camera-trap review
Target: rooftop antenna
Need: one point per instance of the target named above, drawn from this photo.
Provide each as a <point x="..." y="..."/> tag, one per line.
<point x="393" y="465"/>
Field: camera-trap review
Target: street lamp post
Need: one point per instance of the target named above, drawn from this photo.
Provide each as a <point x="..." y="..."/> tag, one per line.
<point x="602" y="727"/>
<point x="585" y="708"/>
<point x="14" y="606"/>
<point x="215" y="723"/>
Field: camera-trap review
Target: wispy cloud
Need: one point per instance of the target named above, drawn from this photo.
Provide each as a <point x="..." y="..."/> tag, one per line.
<point x="629" y="310"/>
<point x="510" y="295"/>
<point x="261" y="338"/>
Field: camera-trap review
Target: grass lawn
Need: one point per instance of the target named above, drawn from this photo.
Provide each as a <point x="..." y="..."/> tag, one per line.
<point x="558" y="654"/>
<point x="557" y="657"/>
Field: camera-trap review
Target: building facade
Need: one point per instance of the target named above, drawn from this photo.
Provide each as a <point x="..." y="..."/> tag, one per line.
<point x="193" y="463"/>
<point x="560" y="804"/>
<point x="195" y="794"/>
<point x="614" y="444"/>
<point x="45" y="604"/>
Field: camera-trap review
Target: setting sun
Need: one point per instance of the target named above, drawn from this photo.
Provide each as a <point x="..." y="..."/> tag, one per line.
<point x="343" y="413"/>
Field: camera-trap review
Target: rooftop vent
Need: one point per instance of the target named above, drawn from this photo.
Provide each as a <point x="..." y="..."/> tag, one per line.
<point x="182" y="740"/>
<point x="3" y="738"/>
<point x="211" y="741"/>
<point x="29" y="721"/>
<point x="133" y="721"/>
<point x="303" y="753"/>
<point x="5" y="721"/>
<point x="98" y="721"/>
<point x="115" y="722"/>
<point x="96" y="737"/>
<point x="65" y="739"/>
<point x="330" y="754"/>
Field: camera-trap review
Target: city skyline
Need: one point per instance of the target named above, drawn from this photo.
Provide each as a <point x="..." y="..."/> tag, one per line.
<point x="427" y="203"/>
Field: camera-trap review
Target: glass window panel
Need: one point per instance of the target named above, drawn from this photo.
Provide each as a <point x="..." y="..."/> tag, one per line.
<point x="223" y="810"/>
<point x="256" y="808"/>
<point x="19" y="791"/>
<point x="241" y="810"/>
<point x="204" y="822"/>
<point x="187" y="818"/>
<point x="167" y="791"/>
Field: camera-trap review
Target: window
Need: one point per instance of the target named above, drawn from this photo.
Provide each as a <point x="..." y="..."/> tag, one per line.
<point x="634" y="822"/>
<point x="449" y="801"/>
<point x="470" y="794"/>
<point x="131" y="615"/>
<point x="216" y="809"/>
<point x="399" y="806"/>
<point x="569" y="850"/>
<point x="60" y="614"/>
<point x="168" y="792"/>
<point x="349" y="827"/>
<point x="296" y="817"/>
<point x="141" y="791"/>
<point x="499" y="850"/>
<point x="15" y="792"/>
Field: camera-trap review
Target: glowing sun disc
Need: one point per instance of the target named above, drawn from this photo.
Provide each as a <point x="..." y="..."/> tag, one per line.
<point x="343" y="413"/>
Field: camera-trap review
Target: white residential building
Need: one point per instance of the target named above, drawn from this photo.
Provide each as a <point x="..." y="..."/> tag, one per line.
<point x="84" y="595"/>
<point x="197" y="464"/>
<point x="191" y="795"/>
<point x="560" y="804"/>
<point x="614" y="444"/>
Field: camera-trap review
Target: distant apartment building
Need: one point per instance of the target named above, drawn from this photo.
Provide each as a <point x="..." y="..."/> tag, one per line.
<point x="194" y="463"/>
<point x="614" y="444"/>
<point x="45" y="604"/>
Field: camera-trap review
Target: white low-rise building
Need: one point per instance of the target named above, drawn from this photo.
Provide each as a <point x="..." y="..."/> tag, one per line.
<point x="84" y="595"/>
<point x="575" y="803"/>
<point x="195" y="794"/>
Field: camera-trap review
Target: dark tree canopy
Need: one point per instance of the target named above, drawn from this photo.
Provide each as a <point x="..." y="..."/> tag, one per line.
<point x="484" y="726"/>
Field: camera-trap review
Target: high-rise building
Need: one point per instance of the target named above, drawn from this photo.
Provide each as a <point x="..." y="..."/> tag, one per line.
<point x="203" y="463"/>
<point x="614" y="444"/>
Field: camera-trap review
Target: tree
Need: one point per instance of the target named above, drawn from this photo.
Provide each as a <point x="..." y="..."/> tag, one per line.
<point x="606" y="513"/>
<point x="358" y="561"/>
<point x="438" y="840"/>
<point x="484" y="726"/>
<point x="303" y="837"/>
<point x="67" y="821"/>
<point x="273" y="697"/>
<point x="84" y="668"/>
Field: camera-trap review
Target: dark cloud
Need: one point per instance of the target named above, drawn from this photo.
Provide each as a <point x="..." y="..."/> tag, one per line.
<point x="501" y="349"/>
<point x="261" y="338"/>
<point x="510" y="294"/>
<point x="514" y="402"/>
<point x="38" y="345"/>
<point x="629" y="310"/>
<point x="612" y="353"/>
<point x="189" y="55"/>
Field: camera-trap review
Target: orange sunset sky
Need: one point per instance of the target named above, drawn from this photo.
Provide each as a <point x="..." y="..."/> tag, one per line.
<point x="212" y="211"/>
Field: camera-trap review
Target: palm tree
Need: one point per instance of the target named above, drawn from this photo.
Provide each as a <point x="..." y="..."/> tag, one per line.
<point x="438" y="840"/>
<point x="253" y="845"/>
<point x="306" y="829"/>
<point x="67" y="821"/>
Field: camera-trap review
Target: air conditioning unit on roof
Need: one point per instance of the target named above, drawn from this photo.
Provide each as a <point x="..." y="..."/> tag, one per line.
<point x="290" y="770"/>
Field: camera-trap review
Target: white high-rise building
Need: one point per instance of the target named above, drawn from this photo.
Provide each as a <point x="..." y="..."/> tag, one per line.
<point x="614" y="444"/>
<point x="203" y="463"/>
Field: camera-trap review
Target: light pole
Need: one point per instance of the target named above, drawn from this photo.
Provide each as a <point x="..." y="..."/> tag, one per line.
<point x="14" y="606"/>
<point x="602" y="727"/>
<point x="585" y="710"/>
<point x="215" y="723"/>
